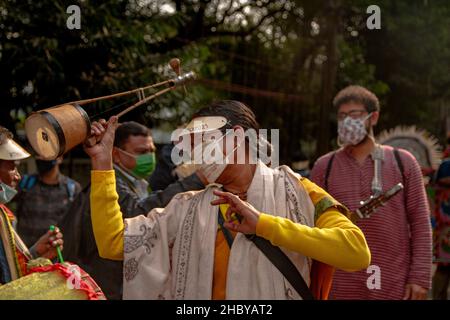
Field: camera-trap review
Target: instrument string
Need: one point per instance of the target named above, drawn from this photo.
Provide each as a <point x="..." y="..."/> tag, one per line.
<point x="112" y="108"/>
<point x="124" y="93"/>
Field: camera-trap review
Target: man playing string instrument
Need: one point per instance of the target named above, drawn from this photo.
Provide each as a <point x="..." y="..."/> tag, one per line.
<point x="180" y="252"/>
<point x="399" y="233"/>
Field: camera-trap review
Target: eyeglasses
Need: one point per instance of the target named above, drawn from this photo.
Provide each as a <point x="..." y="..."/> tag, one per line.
<point x="355" y="114"/>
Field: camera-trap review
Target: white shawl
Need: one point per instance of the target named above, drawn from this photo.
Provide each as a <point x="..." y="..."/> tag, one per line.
<point x="169" y="254"/>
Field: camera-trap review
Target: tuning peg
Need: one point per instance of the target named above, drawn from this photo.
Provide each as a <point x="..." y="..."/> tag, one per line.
<point x="175" y="64"/>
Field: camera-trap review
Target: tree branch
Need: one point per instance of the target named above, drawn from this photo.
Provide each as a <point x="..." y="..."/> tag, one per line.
<point x="250" y="30"/>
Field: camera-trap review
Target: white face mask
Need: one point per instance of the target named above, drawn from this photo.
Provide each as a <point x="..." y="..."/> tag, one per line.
<point x="213" y="167"/>
<point x="352" y="131"/>
<point x="6" y="193"/>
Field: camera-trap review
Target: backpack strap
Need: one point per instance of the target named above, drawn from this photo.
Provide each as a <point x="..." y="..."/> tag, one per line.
<point x="27" y="182"/>
<point x="71" y="188"/>
<point x="328" y="171"/>
<point x="398" y="159"/>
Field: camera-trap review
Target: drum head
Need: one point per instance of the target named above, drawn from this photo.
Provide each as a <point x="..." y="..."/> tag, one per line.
<point x="42" y="136"/>
<point x="53" y="282"/>
<point x="41" y="286"/>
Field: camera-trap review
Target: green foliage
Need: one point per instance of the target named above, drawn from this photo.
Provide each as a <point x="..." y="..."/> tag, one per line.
<point x="270" y="54"/>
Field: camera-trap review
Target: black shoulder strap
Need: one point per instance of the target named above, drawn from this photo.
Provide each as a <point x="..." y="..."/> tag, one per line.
<point x="400" y="164"/>
<point x="277" y="257"/>
<point x="398" y="159"/>
<point x="284" y="265"/>
<point x="327" y="173"/>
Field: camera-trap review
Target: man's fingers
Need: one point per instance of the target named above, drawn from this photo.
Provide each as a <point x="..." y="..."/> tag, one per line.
<point x="416" y="295"/>
<point x="221" y="194"/>
<point x="407" y="293"/>
<point x="231" y="198"/>
<point x="233" y="227"/>
<point x="111" y="128"/>
<point x="229" y="212"/>
<point x="219" y="201"/>
<point x="113" y="123"/>
<point x="95" y="131"/>
<point x="97" y="127"/>
<point x="419" y="294"/>
<point x="57" y="243"/>
<point x="224" y="194"/>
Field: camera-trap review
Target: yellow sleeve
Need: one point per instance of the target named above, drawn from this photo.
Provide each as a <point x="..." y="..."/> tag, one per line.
<point x="334" y="240"/>
<point x="107" y="221"/>
<point x="321" y="199"/>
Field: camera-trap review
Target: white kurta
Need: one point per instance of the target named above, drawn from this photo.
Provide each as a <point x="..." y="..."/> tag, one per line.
<point x="169" y="254"/>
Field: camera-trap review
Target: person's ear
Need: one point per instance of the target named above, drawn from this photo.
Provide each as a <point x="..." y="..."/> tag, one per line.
<point x="152" y="145"/>
<point x="116" y="155"/>
<point x="374" y="118"/>
<point x="239" y="133"/>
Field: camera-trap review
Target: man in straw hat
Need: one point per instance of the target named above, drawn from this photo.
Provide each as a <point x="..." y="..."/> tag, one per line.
<point x="14" y="254"/>
<point x="193" y="250"/>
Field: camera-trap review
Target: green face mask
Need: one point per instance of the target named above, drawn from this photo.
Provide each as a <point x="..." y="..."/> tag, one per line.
<point x="145" y="165"/>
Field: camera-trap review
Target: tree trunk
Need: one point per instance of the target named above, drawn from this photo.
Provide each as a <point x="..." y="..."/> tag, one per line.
<point x="328" y="78"/>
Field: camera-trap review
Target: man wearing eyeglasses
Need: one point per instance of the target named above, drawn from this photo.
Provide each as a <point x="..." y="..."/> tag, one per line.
<point x="399" y="233"/>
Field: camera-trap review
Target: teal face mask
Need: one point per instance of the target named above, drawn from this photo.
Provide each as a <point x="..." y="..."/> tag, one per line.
<point x="6" y="193"/>
<point x="145" y="165"/>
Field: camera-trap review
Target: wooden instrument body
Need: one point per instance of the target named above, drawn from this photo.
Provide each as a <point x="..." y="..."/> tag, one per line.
<point x="54" y="131"/>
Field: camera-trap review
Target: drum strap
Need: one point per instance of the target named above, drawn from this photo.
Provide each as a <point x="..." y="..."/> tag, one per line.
<point x="27" y="182"/>
<point x="71" y="188"/>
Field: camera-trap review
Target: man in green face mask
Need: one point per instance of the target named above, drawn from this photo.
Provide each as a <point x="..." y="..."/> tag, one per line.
<point x="134" y="156"/>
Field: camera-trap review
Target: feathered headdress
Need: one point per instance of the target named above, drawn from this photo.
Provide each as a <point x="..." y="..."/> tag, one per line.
<point x="424" y="146"/>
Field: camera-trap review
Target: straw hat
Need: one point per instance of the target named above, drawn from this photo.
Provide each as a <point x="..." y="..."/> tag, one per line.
<point x="9" y="149"/>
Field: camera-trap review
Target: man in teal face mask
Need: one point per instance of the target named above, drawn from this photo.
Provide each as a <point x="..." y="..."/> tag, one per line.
<point x="134" y="162"/>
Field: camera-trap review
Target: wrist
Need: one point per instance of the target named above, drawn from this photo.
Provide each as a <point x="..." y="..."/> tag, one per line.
<point x="33" y="252"/>
<point x="102" y="163"/>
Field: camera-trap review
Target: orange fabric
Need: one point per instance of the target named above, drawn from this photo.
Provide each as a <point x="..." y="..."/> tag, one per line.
<point x="321" y="280"/>
<point x="221" y="255"/>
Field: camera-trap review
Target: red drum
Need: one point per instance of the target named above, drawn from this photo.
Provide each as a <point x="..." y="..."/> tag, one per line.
<point x="54" y="282"/>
